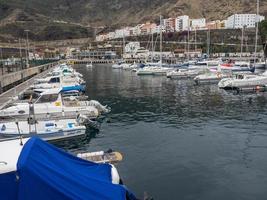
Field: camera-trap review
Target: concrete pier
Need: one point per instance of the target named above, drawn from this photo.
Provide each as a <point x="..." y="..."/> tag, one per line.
<point x="21" y="80"/>
<point x="9" y="80"/>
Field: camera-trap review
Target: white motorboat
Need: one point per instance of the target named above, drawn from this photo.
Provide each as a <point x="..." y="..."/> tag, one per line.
<point x="129" y="66"/>
<point x="154" y="70"/>
<point x="125" y="66"/>
<point x="161" y="71"/>
<point x="145" y="71"/>
<point x="64" y="70"/>
<point x="119" y="65"/>
<point x="260" y="66"/>
<point x="207" y="64"/>
<point x="48" y="129"/>
<point x="237" y="67"/>
<point x="89" y="65"/>
<point x="66" y="82"/>
<point x="184" y="73"/>
<point x="210" y="77"/>
<point x="243" y="80"/>
<point x="51" y="103"/>
<point x="116" y="66"/>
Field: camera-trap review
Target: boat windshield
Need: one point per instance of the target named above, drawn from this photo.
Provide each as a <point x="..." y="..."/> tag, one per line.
<point x="47" y="98"/>
<point x="54" y="80"/>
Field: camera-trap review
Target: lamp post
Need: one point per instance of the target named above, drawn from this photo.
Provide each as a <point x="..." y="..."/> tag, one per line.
<point x="27" y="44"/>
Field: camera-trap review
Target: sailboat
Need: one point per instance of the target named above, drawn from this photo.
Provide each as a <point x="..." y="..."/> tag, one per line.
<point x="247" y="81"/>
<point x="156" y="69"/>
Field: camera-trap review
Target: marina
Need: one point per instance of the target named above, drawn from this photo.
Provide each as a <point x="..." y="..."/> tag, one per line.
<point x="164" y="109"/>
<point x="114" y="105"/>
<point x="199" y="139"/>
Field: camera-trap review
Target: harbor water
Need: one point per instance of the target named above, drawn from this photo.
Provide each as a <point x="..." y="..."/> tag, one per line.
<point x="179" y="140"/>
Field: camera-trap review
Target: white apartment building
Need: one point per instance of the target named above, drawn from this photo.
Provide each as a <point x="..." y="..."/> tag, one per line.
<point x="132" y="47"/>
<point x="240" y="20"/>
<point x="111" y="35"/>
<point x="182" y="23"/>
<point x="196" y="24"/>
<point x="137" y="29"/>
<point x="120" y="33"/>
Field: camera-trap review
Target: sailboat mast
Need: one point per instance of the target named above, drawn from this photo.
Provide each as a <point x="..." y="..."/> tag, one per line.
<point x="242" y="41"/>
<point x="152" y="47"/>
<point x="188" y="38"/>
<point x="208" y="43"/>
<point x="257" y="29"/>
<point x="123" y="40"/>
<point x="160" y="41"/>
<point x="195" y="39"/>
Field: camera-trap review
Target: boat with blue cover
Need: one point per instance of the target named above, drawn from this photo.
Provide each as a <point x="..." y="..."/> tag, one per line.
<point x="32" y="169"/>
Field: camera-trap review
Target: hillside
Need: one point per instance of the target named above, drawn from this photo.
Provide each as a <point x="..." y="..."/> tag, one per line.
<point x="60" y="19"/>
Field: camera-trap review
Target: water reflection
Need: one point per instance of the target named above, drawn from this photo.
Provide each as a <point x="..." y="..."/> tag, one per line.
<point x="178" y="139"/>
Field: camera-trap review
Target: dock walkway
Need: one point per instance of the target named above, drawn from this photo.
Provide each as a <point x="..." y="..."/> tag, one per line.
<point x="6" y="97"/>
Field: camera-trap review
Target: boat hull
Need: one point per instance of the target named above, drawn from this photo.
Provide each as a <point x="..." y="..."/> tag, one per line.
<point x="48" y="130"/>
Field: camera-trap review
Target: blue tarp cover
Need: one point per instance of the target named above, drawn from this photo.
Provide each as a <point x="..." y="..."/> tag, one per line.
<point x="46" y="172"/>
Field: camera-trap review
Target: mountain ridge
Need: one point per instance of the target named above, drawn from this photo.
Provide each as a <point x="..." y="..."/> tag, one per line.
<point x="37" y="15"/>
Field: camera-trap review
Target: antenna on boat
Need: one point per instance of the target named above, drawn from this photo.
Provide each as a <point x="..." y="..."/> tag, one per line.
<point x="31" y="118"/>
<point x="20" y="136"/>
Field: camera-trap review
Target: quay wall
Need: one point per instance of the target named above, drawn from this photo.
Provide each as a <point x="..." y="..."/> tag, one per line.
<point x="8" y="81"/>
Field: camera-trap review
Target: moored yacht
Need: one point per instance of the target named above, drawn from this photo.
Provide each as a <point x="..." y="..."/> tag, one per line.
<point x="210" y="77"/>
<point x="184" y="73"/>
<point x="52" y="103"/>
<point x="243" y="80"/>
<point x="66" y="82"/>
<point x="45" y="129"/>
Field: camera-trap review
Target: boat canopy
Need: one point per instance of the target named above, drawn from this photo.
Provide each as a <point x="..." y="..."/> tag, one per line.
<point x="43" y="172"/>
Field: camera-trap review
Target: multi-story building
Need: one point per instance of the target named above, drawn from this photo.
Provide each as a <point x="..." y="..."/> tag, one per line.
<point x="217" y="24"/>
<point x="196" y="24"/>
<point x="119" y="33"/>
<point x="137" y="29"/>
<point x="147" y="28"/>
<point x="182" y="23"/>
<point x="169" y="24"/>
<point x="111" y="35"/>
<point x="241" y="20"/>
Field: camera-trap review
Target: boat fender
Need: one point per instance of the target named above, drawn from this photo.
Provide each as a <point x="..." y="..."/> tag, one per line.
<point x="91" y="154"/>
<point x="3" y="128"/>
<point x="115" y="175"/>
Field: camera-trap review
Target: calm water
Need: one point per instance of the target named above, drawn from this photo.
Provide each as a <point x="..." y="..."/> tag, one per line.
<point x="181" y="141"/>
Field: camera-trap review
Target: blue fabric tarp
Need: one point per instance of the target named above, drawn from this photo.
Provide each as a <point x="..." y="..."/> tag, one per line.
<point x="46" y="172"/>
